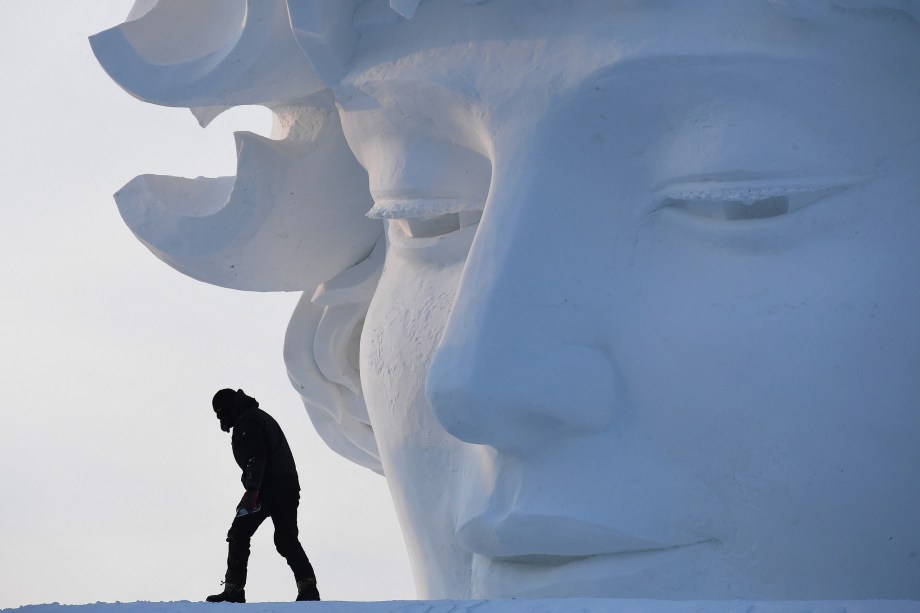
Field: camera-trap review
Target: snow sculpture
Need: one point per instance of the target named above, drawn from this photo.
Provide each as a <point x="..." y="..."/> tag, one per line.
<point x="633" y="308"/>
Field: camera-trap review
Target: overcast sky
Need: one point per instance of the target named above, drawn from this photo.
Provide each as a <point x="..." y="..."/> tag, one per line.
<point x="116" y="481"/>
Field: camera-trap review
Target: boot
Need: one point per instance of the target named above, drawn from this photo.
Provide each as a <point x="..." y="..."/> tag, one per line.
<point x="232" y="593"/>
<point x="306" y="589"/>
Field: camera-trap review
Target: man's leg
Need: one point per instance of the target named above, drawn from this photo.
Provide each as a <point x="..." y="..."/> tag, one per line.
<point x="238" y="538"/>
<point x="284" y="516"/>
<point x="241" y="531"/>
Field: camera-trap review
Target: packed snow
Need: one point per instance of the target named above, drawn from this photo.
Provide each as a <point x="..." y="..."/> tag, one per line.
<point x="564" y="605"/>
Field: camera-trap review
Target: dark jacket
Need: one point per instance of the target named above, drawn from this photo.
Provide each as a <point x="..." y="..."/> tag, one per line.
<point x="262" y="452"/>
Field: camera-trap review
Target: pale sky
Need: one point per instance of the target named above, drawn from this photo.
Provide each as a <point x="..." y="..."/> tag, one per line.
<point x="117" y="481"/>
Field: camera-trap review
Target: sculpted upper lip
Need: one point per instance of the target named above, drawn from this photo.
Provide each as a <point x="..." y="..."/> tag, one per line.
<point x="545" y="509"/>
<point x="520" y="535"/>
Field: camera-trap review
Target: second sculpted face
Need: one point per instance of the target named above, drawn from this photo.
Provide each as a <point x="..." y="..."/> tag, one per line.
<point x="647" y="321"/>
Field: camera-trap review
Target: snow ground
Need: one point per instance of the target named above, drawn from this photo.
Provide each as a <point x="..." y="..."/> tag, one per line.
<point x="570" y="605"/>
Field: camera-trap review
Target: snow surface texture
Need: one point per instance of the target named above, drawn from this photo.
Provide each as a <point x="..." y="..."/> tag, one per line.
<point x="620" y="296"/>
<point x="573" y="605"/>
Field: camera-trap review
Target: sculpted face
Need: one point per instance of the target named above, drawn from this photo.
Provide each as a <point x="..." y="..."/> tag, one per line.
<point x="646" y="319"/>
<point x="677" y="356"/>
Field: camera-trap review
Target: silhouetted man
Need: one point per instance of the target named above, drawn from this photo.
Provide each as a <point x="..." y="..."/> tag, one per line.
<point x="272" y="490"/>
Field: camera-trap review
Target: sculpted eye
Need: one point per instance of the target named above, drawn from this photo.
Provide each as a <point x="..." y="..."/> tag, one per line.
<point x="439" y="225"/>
<point x="426" y="217"/>
<point x="746" y="200"/>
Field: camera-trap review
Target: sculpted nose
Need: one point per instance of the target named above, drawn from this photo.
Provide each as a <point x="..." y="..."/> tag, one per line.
<point x="484" y="393"/>
<point x="524" y="356"/>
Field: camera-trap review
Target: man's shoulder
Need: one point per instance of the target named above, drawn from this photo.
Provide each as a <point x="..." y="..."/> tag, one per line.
<point x="254" y="418"/>
<point x="246" y="422"/>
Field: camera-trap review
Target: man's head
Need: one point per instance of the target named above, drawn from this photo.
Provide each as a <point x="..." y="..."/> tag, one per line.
<point x="228" y="404"/>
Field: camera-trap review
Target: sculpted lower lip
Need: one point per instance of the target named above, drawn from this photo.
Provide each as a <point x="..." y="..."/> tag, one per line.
<point x="535" y="576"/>
<point x="559" y="560"/>
<point x="554" y="540"/>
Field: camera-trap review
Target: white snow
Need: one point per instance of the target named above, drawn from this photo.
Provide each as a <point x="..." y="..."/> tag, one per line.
<point x="562" y="605"/>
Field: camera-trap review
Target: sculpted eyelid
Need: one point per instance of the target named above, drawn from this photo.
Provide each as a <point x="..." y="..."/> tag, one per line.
<point x="751" y="190"/>
<point x="730" y="199"/>
<point x="409" y="207"/>
<point x="426" y="217"/>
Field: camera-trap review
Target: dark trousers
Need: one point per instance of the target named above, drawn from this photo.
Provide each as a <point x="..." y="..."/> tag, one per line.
<point x="283" y="511"/>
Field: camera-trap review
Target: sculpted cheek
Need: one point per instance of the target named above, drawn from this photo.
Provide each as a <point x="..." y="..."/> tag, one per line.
<point x="402" y="331"/>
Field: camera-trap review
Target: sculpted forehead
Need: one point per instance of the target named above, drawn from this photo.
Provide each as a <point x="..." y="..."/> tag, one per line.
<point x="505" y="49"/>
<point x="459" y="78"/>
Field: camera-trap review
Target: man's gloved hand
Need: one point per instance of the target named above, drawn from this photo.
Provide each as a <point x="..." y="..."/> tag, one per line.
<point x="248" y="503"/>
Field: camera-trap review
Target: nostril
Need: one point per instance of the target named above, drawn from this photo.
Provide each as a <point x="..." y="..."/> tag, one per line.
<point x="510" y="402"/>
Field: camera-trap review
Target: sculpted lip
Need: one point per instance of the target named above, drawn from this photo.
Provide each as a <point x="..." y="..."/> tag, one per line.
<point x="550" y="539"/>
<point x="607" y="574"/>
<point x="514" y="519"/>
<point x="539" y="560"/>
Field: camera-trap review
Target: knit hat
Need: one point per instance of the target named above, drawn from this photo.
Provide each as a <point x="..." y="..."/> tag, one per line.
<point x="229" y="405"/>
<point x="223" y="400"/>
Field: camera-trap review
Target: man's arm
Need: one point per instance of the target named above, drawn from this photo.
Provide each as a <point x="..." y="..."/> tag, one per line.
<point x="253" y="473"/>
<point x="251" y="449"/>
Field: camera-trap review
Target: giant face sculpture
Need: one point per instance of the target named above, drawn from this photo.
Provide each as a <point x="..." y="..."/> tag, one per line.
<point x="642" y="320"/>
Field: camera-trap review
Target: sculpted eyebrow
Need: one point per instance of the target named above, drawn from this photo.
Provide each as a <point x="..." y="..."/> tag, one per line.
<point x="685" y="67"/>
